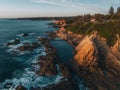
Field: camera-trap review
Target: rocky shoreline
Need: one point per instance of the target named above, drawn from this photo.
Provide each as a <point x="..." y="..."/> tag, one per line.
<point x="48" y="62"/>
<point x="94" y="61"/>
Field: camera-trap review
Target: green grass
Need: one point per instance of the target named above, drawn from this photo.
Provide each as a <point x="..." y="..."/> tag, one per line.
<point x="107" y="30"/>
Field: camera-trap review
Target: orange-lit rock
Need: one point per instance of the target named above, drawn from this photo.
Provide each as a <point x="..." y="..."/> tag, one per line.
<point x="116" y="48"/>
<point x="98" y="63"/>
<point x="59" y="22"/>
<point x="86" y="53"/>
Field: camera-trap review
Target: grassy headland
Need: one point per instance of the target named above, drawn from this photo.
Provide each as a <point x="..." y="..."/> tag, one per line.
<point x="107" y="26"/>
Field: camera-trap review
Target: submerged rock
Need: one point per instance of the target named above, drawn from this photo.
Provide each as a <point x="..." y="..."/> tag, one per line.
<point x="25" y="48"/>
<point x="26" y="44"/>
<point x="35" y="45"/>
<point x="28" y="47"/>
<point x="13" y="42"/>
<point x="25" y="34"/>
<point x="20" y="88"/>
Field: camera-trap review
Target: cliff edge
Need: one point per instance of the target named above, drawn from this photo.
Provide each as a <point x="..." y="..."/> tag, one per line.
<point x="98" y="64"/>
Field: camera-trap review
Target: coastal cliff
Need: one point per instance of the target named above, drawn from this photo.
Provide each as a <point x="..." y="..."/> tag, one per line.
<point x="98" y="64"/>
<point x="95" y="61"/>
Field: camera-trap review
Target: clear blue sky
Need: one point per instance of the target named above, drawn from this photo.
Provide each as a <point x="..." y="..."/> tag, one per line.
<point x="36" y="8"/>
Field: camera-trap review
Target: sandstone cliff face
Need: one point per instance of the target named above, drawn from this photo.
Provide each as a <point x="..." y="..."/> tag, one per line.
<point x="99" y="64"/>
<point x="94" y="61"/>
<point x="87" y="53"/>
<point x="116" y="48"/>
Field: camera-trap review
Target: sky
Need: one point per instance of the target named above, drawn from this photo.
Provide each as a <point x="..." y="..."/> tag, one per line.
<point x="45" y="8"/>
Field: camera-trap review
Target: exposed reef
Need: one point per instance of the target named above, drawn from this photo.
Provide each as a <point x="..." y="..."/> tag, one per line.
<point x="47" y="64"/>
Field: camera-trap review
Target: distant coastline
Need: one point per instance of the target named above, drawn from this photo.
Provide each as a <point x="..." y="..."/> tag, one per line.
<point x="40" y="18"/>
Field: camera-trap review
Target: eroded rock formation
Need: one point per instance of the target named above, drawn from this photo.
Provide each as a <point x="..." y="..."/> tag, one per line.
<point x="116" y="48"/>
<point x="98" y="64"/>
<point x="87" y="53"/>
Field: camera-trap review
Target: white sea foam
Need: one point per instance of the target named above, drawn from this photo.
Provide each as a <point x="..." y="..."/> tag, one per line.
<point x="30" y="79"/>
<point x="32" y="34"/>
<point x="13" y="49"/>
<point x="21" y="35"/>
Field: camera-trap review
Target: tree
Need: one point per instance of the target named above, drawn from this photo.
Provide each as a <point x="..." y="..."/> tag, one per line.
<point x="118" y="10"/>
<point x="111" y="11"/>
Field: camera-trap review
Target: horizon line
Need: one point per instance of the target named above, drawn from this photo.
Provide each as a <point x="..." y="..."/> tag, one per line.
<point x="49" y="16"/>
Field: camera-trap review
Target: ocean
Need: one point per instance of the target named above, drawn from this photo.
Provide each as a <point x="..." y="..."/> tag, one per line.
<point x="16" y="69"/>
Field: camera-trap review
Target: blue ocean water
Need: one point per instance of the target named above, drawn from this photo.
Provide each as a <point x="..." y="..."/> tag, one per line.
<point x="8" y="31"/>
<point x="15" y="68"/>
<point x="9" y="28"/>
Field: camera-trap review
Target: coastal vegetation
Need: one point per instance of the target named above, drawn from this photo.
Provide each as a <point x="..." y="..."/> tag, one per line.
<point x="97" y="48"/>
<point x="107" y="26"/>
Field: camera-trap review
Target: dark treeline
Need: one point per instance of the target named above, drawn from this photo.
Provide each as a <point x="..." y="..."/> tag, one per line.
<point x="97" y="17"/>
<point x="42" y="18"/>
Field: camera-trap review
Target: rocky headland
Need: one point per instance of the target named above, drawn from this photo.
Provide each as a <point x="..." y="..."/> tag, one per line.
<point x="97" y="63"/>
<point x="94" y="60"/>
<point x="47" y="62"/>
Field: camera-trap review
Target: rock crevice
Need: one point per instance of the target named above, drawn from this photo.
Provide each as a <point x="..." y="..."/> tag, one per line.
<point x="99" y="64"/>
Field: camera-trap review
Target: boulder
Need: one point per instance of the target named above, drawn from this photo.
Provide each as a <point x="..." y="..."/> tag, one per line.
<point x="64" y="70"/>
<point x="20" y="88"/>
<point x="47" y="65"/>
<point x="28" y="47"/>
<point x="25" y="48"/>
<point x="43" y="40"/>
